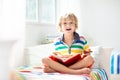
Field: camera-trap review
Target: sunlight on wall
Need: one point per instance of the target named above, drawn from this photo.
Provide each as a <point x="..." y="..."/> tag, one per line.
<point x="68" y="6"/>
<point x="11" y="18"/>
<point x="12" y="27"/>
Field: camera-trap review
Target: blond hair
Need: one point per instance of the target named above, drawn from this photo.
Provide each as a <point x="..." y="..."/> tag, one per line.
<point x="70" y="16"/>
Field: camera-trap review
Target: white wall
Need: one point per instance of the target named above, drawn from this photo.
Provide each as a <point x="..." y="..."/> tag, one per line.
<point x="99" y="21"/>
<point x="12" y="27"/>
<point x="36" y="33"/>
<point x="66" y="6"/>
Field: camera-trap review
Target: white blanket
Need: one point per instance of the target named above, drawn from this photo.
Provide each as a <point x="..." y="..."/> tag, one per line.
<point x="52" y="76"/>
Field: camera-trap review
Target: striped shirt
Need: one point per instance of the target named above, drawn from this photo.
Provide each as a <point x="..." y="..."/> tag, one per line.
<point x="78" y="46"/>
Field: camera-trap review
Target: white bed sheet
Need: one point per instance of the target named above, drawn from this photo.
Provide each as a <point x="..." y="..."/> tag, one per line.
<point x="53" y="76"/>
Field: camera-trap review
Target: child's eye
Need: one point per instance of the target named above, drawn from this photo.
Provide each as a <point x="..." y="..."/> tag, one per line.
<point x="64" y="23"/>
<point x="71" y="22"/>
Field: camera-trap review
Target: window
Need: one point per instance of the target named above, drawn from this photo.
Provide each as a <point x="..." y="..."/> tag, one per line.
<point x="41" y="11"/>
<point x="47" y="11"/>
<point x="32" y="10"/>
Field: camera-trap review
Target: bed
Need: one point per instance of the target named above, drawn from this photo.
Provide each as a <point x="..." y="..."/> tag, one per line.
<point x="36" y="73"/>
<point x="33" y="55"/>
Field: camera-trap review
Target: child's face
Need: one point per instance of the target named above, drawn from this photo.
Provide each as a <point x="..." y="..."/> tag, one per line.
<point x="68" y="26"/>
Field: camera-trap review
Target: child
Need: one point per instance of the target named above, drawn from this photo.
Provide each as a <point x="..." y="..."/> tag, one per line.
<point x="69" y="44"/>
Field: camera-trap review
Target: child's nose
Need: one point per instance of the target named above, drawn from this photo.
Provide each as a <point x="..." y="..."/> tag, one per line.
<point x="68" y="24"/>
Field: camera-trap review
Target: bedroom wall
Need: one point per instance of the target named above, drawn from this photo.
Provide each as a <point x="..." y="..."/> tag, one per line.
<point x="35" y="34"/>
<point x="99" y="21"/>
<point x="12" y="28"/>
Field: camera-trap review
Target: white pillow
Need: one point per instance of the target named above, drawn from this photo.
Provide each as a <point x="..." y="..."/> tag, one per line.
<point x="34" y="54"/>
<point x="96" y="51"/>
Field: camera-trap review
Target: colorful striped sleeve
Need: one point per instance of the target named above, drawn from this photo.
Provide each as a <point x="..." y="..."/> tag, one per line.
<point x="86" y="47"/>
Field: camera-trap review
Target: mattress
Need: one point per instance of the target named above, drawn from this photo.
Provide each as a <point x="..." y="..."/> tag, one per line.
<point x="36" y="73"/>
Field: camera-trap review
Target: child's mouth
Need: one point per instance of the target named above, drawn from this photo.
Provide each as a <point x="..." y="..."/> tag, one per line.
<point x="68" y="29"/>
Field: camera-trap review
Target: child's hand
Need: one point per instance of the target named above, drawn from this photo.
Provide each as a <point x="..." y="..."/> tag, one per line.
<point x="87" y="52"/>
<point x="57" y="53"/>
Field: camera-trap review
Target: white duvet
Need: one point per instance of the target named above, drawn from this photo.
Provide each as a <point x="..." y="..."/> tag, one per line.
<point x="53" y="76"/>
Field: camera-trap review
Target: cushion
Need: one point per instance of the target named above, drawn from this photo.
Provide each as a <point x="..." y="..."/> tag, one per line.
<point x="96" y="51"/>
<point x="105" y="59"/>
<point x="98" y="74"/>
<point x="33" y="55"/>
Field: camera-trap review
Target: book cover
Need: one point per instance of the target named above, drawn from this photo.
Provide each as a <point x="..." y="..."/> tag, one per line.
<point x="66" y="60"/>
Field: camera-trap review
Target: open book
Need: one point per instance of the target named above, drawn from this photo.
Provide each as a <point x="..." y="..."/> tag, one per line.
<point x="66" y="60"/>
